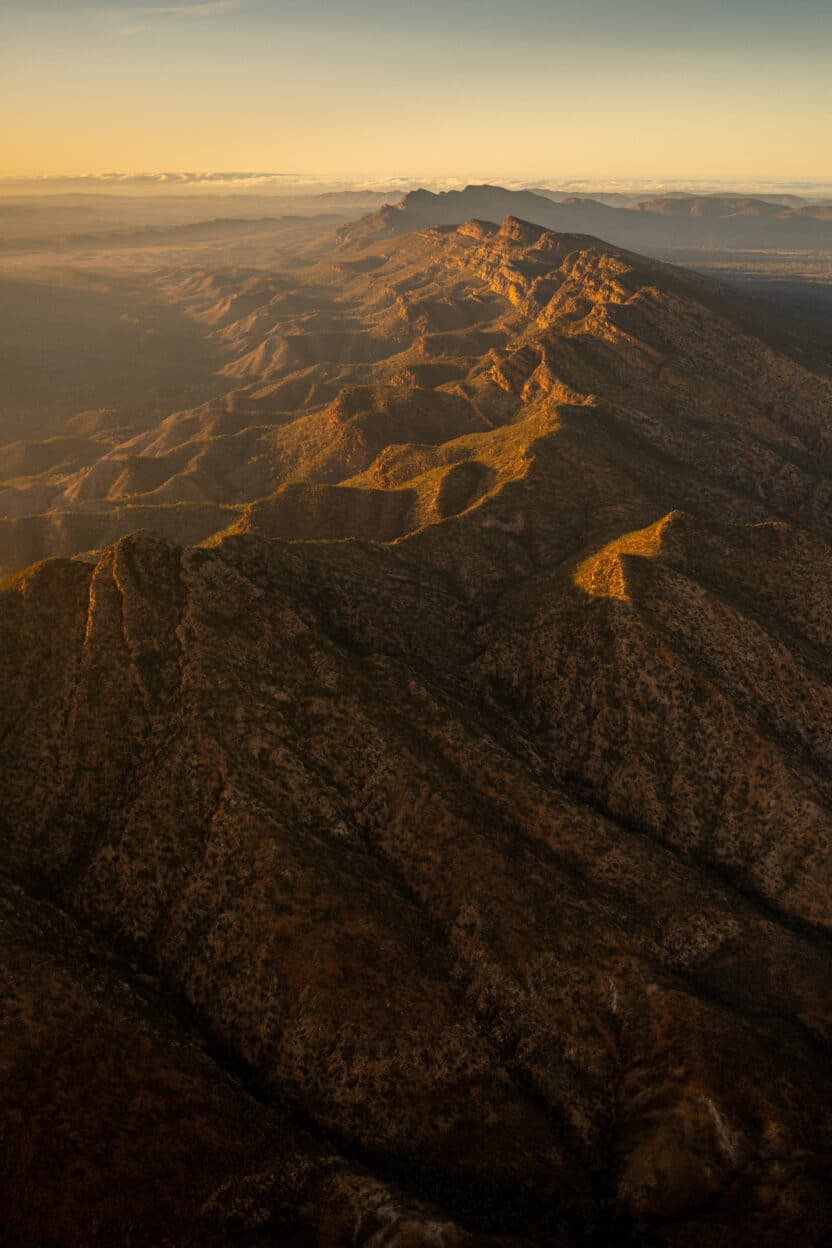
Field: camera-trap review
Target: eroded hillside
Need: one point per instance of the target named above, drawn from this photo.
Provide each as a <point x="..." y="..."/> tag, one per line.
<point x="429" y="371"/>
<point x="489" y="850"/>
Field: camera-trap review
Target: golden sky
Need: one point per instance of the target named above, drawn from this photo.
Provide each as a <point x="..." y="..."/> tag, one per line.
<point x="384" y="88"/>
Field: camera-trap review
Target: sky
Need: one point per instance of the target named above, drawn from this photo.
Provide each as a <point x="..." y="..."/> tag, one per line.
<point x="525" y="90"/>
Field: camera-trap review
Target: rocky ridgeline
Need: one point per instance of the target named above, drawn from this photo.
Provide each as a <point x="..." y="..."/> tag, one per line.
<point x="467" y="881"/>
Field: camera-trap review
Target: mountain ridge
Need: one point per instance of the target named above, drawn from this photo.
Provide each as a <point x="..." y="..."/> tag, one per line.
<point x="462" y="791"/>
<point x="508" y="320"/>
<point x="653" y="225"/>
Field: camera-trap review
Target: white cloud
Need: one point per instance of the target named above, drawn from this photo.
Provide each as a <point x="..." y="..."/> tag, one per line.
<point x="203" y="8"/>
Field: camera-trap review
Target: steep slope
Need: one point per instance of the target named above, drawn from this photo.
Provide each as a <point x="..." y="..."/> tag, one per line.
<point x="328" y="807"/>
<point x="130" y="1133"/>
<point x="492" y="848"/>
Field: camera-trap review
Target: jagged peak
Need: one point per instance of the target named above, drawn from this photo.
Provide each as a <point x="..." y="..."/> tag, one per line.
<point x="604" y="574"/>
<point x="482" y="230"/>
<point x="521" y="231"/>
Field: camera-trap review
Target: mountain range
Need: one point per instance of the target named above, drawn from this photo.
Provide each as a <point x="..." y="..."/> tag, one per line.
<point x="668" y="224"/>
<point x="657" y="225"/>
<point x="415" y="759"/>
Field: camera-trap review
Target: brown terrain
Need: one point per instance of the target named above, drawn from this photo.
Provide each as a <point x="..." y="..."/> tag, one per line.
<point x="416" y="769"/>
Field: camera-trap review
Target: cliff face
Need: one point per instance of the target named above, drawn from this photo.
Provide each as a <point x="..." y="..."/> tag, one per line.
<point x="493" y="861"/>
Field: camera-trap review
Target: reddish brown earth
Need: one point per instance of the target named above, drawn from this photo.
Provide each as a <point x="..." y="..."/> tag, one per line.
<point x="465" y="881"/>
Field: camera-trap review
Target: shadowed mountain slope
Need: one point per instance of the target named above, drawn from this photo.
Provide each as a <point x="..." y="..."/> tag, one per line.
<point x="655" y="226"/>
<point x="491" y="849"/>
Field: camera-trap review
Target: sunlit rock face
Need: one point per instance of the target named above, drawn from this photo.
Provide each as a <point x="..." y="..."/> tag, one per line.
<point x="439" y="852"/>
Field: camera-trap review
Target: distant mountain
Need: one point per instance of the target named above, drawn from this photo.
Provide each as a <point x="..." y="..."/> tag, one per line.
<point x="657" y="226"/>
<point x="487" y="203"/>
<point x="425" y="836"/>
<point x="629" y="199"/>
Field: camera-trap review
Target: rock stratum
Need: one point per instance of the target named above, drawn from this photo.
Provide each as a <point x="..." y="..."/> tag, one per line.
<point x="423" y="836"/>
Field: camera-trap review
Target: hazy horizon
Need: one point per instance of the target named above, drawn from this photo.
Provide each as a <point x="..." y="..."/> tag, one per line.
<point x="170" y="183"/>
